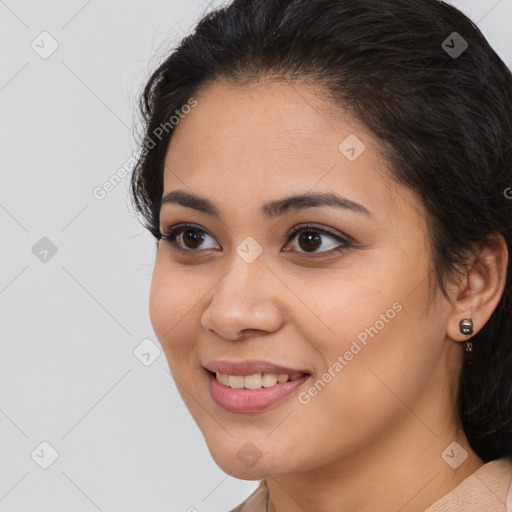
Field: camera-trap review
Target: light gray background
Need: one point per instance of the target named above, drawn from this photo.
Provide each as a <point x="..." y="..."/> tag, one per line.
<point x="69" y="325"/>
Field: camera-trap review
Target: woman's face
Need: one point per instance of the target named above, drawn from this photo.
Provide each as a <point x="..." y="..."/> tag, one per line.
<point x="344" y="301"/>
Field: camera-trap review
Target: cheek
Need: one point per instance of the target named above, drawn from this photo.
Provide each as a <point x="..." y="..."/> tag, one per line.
<point x="350" y="304"/>
<point x="173" y="303"/>
<point x="354" y="402"/>
<point x="371" y="341"/>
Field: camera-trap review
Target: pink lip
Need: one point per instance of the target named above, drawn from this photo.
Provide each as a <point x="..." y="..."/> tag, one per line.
<point x="251" y="400"/>
<point x="251" y="367"/>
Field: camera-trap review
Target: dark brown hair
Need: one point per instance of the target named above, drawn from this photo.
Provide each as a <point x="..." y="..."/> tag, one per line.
<point x="446" y="120"/>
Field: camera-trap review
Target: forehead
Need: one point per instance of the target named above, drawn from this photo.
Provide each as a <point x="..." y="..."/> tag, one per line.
<point x="253" y="142"/>
<point x="265" y="119"/>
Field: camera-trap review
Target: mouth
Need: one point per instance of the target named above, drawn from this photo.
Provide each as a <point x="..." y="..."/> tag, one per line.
<point x="252" y="385"/>
<point x="253" y="381"/>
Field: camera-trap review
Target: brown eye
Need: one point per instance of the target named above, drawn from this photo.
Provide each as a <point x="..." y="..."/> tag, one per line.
<point x="192" y="238"/>
<point x="311" y="238"/>
<point x="186" y="237"/>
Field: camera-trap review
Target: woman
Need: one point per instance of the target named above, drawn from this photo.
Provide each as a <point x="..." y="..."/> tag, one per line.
<point x="329" y="184"/>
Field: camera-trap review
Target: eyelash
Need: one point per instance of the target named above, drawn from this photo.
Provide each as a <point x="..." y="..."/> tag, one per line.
<point x="171" y="233"/>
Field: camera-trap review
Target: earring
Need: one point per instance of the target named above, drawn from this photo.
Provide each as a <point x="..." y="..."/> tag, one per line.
<point x="466" y="328"/>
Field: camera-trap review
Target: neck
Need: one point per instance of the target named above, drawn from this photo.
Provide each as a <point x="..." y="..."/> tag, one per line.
<point x="399" y="473"/>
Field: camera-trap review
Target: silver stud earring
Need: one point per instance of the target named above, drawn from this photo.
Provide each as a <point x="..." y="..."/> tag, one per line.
<point x="466" y="328"/>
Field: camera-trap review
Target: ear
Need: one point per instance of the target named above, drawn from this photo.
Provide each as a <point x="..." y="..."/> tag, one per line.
<point x="480" y="291"/>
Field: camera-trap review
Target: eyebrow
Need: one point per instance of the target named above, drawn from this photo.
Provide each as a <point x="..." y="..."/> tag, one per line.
<point x="273" y="208"/>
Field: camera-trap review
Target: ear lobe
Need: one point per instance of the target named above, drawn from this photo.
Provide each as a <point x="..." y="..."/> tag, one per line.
<point x="481" y="290"/>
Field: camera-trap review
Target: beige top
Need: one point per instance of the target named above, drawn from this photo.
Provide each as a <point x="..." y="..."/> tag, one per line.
<point x="489" y="489"/>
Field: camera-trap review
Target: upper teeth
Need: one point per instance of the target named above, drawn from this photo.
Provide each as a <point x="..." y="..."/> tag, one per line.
<point x="254" y="381"/>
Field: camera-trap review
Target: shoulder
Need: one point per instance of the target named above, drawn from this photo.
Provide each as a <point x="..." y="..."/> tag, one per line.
<point x="256" y="502"/>
<point x="489" y="488"/>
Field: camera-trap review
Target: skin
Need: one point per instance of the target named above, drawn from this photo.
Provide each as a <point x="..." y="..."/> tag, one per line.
<point x="372" y="438"/>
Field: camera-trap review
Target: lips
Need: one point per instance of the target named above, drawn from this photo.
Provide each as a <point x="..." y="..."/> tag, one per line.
<point x="251" y="367"/>
<point x="239" y="399"/>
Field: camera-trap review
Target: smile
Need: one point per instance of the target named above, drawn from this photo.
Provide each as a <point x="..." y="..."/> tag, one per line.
<point x="255" y="381"/>
<point x="252" y="385"/>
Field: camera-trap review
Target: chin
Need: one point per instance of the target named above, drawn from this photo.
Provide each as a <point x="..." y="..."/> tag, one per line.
<point x="245" y="463"/>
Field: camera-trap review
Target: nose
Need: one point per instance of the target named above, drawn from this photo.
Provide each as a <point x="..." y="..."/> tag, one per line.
<point x="245" y="302"/>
